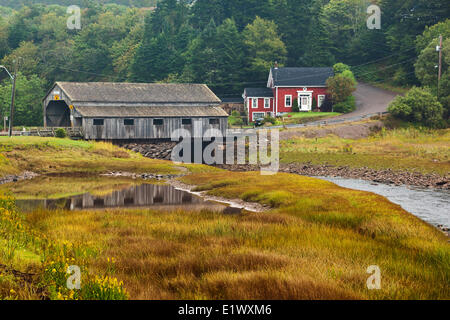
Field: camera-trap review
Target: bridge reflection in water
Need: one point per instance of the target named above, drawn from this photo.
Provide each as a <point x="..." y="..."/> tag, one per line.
<point x="160" y="197"/>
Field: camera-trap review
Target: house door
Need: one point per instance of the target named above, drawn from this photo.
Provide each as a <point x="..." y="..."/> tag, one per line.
<point x="305" y="102"/>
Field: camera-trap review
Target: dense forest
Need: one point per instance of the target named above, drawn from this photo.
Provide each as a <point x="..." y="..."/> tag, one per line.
<point x="227" y="44"/>
<point x="130" y="3"/>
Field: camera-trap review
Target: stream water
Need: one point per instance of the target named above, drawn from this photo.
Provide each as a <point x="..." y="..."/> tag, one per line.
<point x="160" y="197"/>
<point x="432" y="206"/>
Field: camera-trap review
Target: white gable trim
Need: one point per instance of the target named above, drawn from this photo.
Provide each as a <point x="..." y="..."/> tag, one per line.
<point x="301" y="86"/>
<point x="270" y="83"/>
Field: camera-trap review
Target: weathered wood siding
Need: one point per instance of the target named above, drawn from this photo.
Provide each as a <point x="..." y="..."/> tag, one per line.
<point x="143" y="128"/>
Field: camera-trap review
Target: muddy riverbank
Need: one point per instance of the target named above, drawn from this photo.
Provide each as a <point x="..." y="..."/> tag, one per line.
<point x="235" y="203"/>
<point x="431" y="181"/>
<point x="27" y="175"/>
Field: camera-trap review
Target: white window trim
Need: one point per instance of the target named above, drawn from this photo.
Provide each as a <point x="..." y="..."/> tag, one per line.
<point x="267" y="100"/>
<point x="253" y="105"/>
<point x="253" y="114"/>
<point x="318" y="99"/>
<point x="285" y="101"/>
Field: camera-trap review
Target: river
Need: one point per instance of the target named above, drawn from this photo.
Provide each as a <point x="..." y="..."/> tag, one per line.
<point x="432" y="206"/>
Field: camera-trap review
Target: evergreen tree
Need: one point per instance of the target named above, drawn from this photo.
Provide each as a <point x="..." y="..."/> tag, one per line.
<point x="231" y="58"/>
<point x="264" y="47"/>
<point x="202" y="60"/>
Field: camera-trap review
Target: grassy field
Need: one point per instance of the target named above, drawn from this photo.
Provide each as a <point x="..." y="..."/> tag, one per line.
<point x="316" y="242"/>
<point x="304" y="117"/>
<point x="420" y="150"/>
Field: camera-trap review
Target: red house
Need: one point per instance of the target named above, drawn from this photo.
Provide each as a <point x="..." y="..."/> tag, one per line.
<point x="286" y="86"/>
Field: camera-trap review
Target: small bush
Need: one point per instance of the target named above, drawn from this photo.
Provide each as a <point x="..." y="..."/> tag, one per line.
<point x="295" y="106"/>
<point x="327" y="105"/>
<point x="238" y="122"/>
<point x="347" y="106"/>
<point x="340" y="68"/>
<point x="60" y="133"/>
<point x="340" y="87"/>
<point x="420" y="106"/>
<point x="271" y="120"/>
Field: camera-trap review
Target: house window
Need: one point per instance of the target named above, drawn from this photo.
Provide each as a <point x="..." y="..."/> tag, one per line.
<point x="254" y="103"/>
<point x="258" y="115"/>
<point x="186" y="122"/>
<point x="128" y="122"/>
<point x="158" y="122"/>
<point x="99" y="122"/>
<point x="288" y="101"/>
<point x="266" y="103"/>
<point x="214" y="121"/>
<point x="320" y="100"/>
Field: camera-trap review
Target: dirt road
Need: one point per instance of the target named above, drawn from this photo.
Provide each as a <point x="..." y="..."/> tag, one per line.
<point x="369" y="100"/>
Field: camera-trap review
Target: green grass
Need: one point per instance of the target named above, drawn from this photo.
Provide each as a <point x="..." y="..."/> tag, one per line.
<point x="52" y="155"/>
<point x="304" y="117"/>
<point x="301" y="115"/>
<point x="405" y="149"/>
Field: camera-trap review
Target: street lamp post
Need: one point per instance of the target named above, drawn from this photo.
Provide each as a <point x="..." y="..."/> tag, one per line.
<point x="13" y="94"/>
<point x="439" y="50"/>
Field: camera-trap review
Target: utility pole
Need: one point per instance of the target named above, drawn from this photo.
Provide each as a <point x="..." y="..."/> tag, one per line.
<point x="13" y="96"/>
<point x="439" y="48"/>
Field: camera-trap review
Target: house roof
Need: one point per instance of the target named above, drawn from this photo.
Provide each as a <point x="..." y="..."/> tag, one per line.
<point x="259" y="92"/>
<point x="307" y="77"/>
<point x="237" y="99"/>
<point x="151" y="111"/>
<point x="110" y="92"/>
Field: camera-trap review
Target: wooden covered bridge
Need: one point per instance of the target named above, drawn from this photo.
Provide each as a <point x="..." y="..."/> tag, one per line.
<point x="133" y="111"/>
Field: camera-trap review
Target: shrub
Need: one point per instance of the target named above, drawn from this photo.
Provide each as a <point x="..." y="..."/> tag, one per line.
<point x="60" y="133"/>
<point x="327" y="105"/>
<point x="419" y="105"/>
<point x="348" y="74"/>
<point x="238" y="121"/>
<point x="295" y="106"/>
<point x="347" y="106"/>
<point x="340" y="87"/>
<point x="340" y="68"/>
<point x="235" y="114"/>
<point x="269" y="119"/>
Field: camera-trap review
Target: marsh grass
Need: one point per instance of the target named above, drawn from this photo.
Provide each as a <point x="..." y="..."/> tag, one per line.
<point x="412" y="149"/>
<point x="45" y="261"/>
<point x="345" y="229"/>
<point x="316" y="243"/>
<point x="52" y="155"/>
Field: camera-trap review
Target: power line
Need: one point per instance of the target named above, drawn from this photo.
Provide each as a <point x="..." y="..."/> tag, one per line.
<point x="124" y="78"/>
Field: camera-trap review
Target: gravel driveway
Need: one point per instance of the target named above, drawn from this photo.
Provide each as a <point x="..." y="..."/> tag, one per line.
<point x="369" y="100"/>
